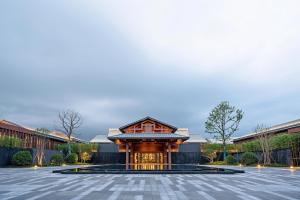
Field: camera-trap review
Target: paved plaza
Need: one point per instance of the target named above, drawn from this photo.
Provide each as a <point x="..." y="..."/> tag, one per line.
<point x="255" y="184"/>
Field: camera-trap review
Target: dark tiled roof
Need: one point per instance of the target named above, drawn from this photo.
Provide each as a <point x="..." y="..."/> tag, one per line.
<point x="148" y="136"/>
<point x="148" y="118"/>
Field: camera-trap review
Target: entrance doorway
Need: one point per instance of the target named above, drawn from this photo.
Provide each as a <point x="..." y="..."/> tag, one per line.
<point x="148" y="161"/>
<point x="148" y="158"/>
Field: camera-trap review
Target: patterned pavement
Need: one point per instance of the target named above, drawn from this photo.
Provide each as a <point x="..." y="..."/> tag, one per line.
<point x="255" y="184"/>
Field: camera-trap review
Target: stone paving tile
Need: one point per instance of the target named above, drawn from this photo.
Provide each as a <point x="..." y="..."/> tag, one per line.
<point x="255" y="184"/>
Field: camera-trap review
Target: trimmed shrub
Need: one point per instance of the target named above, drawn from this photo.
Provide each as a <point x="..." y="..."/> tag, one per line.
<point x="248" y="158"/>
<point x="217" y="163"/>
<point x="22" y="158"/>
<point x="57" y="159"/>
<point x="230" y="160"/>
<point x="71" y="158"/>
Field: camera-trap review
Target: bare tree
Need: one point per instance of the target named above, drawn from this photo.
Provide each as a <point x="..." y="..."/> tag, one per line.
<point x="69" y="121"/>
<point x="263" y="137"/>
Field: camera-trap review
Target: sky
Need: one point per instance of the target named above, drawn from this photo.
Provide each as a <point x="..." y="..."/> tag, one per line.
<point x="118" y="61"/>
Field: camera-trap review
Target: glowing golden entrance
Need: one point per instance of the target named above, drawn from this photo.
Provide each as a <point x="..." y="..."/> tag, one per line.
<point x="148" y="161"/>
<point x="148" y="158"/>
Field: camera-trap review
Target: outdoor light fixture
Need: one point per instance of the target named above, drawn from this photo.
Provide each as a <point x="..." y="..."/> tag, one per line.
<point x="240" y="165"/>
<point x="258" y="166"/>
<point x="63" y="164"/>
<point x="291" y="167"/>
<point x="35" y="167"/>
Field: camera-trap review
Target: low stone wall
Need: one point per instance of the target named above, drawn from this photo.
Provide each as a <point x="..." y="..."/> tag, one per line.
<point x="6" y="155"/>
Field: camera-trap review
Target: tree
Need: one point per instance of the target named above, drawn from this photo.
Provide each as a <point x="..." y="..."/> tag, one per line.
<point x="40" y="145"/>
<point x="264" y="139"/>
<point x="223" y="121"/>
<point x="69" y="121"/>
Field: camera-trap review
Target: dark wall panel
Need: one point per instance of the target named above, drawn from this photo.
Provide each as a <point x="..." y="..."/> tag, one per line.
<point x="188" y="158"/>
<point x="189" y="147"/>
<point x="6" y="154"/>
<point x="108" y="147"/>
<point x="109" y="158"/>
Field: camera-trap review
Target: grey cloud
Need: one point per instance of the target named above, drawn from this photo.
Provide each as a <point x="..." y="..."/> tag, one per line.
<point x="54" y="56"/>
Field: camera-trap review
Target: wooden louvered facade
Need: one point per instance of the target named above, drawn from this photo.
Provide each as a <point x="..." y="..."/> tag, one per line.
<point x="29" y="138"/>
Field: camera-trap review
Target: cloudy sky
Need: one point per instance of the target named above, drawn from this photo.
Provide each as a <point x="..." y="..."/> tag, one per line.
<point x="118" y="61"/>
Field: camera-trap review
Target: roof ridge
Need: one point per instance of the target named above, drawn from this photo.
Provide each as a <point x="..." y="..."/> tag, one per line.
<point x="147" y="118"/>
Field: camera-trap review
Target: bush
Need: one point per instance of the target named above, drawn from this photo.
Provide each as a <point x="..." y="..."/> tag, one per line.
<point x="85" y="157"/>
<point x="22" y="158"/>
<point x="230" y="160"/>
<point x="71" y="158"/>
<point x="10" y="142"/>
<point x="217" y="163"/>
<point x="249" y="158"/>
<point x="77" y="148"/>
<point x="57" y="159"/>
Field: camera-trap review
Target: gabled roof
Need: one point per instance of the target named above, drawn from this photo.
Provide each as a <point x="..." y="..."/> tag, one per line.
<point x="100" y="139"/>
<point x="147" y="118"/>
<point x="196" y="138"/>
<point x="10" y="123"/>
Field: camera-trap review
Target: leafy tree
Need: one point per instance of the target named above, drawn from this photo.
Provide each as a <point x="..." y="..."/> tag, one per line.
<point x="223" y="121"/>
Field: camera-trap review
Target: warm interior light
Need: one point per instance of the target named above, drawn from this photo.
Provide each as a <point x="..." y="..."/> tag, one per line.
<point x="35" y="166"/>
<point x="291" y="167"/>
<point x="179" y="141"/>
<point x="258" y="166"/>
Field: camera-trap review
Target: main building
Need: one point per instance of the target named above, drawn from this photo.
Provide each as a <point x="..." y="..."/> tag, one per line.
<point x="149" y="142"/>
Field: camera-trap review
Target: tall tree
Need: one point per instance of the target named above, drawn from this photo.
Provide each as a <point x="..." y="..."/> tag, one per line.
<point x="69" y="121"/>
<point x="264" y="139"/>
<point x="223" y="121"/>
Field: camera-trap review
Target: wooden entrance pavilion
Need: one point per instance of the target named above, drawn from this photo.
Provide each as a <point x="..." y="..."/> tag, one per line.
<point x="148" y="143"/>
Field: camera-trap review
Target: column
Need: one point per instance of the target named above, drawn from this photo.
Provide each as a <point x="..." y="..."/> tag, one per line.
<point x="127" y="155"/>
<point x="169" y="155"/>
<point x="165" y="156"/>
<point x="131" y="156"/>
